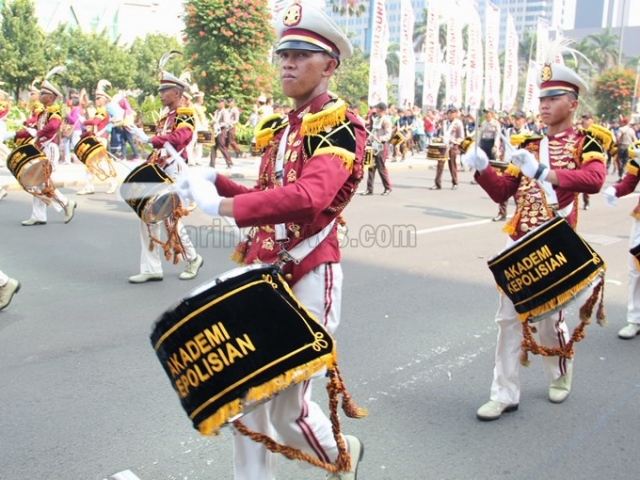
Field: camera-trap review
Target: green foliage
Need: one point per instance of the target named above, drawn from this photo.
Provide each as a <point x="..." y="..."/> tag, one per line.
<point x="227" y="46"/>
<point x="150" y="109"/>
<point x="144" y="54"/>
<point x="21" y="45"/>
<point x="351" y="80"/>
<point x="244" y="134"/>
<point x="613" y="91"/>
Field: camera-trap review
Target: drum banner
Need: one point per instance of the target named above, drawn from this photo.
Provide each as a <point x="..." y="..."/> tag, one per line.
<point x="233" y="344"/>
<point x="546" y="269"/>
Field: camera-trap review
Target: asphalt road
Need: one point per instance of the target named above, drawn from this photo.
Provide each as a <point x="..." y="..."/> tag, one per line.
<point x="82" y="395"/>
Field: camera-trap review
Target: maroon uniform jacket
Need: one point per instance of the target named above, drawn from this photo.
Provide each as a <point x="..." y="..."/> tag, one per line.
<point x="47" y="123"/>
<point x="322" y="169"/>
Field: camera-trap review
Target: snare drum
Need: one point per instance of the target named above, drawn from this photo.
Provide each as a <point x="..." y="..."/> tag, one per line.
<point x="367" y="161"/>
<point x="546" y="269"/>
<point x="205" y="137"/>
<point x="235" y="342"/>
<point x="92" y="152"/>
<point x="149" y="128"/>
<point x="437" y="151"/>
<point x="29" y="165"/>
<point x="397" y="139"/>
<point x="149" y="191"/>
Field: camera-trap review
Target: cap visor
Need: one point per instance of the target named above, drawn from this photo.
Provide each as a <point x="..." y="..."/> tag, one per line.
<point x="299" y="45"/>
<point x="554" y="92"/>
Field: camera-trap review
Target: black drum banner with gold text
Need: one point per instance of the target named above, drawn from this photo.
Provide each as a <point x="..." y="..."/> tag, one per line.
<point x="235" y="343"/>
<point x="546" y="268"/>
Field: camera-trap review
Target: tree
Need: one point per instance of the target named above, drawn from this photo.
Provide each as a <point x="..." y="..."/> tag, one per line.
<point x="613" y="91"/>
<point x="227" y="47"/>
<point x="605" y="49"/>
<point x="21" y="45"/>
<point x="351" y="79"/>
<point x="144" y="54"/>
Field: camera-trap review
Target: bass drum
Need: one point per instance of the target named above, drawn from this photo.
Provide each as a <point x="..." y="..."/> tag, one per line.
<point x="28" y="164"/>
<point x="149" y="191"/>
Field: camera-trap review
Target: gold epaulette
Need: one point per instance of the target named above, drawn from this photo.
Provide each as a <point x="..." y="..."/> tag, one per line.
<point x="512" y="170"/>
<point x="632" y="167"/>
<point x="184" y="111"/>
<point x="603" y="135"/>
<point x="266" y="129"/>
<point x="519" y="138"/>
<point x="53" y="109"/>
<point x="333" y="114"/>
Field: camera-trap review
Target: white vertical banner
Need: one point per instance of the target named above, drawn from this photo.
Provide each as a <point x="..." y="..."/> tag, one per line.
<point x="475" y="68"/>
<point x="432" y="70"/>
<point x="492" y="61"/>
<point x="542" y="41"/>
<point x="510" y="79"/>
<point x="532" y="92"/>
<point x="454" y="58"/>
<point x="379" y="45"/>
<point x="407" y="73"/>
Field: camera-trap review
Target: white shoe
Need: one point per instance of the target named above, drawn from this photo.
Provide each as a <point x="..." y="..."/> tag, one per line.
<point x="3" y="193"/>
<point x="493" y="410"/>
<point x="146" y="277"/>
<point x="560" y="388"/>
<point x="85" y="191"/>
<point x="192" y="268"/>
<point x="69" y="211"/>
<point x="356" y="450"/>
<point x="629" y="331"/>
<point x="8" y="291"/>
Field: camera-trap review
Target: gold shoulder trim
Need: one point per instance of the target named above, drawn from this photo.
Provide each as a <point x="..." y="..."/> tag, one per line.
<point x="603" y="135"/>
<point x="184" y="111"/>
<point x="266" y="129"/>
<point x="332" y="115"/>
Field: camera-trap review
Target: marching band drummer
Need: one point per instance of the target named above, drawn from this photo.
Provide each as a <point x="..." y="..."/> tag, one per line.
<point x="381" y="130"/>
<point x="453" y="134"/>
<point x="308" y="174"/>
<point x="98" y="127"/>
<point x="45" y="131"/>
<point x="551" y="172"/>
<point x="174" y="131"/>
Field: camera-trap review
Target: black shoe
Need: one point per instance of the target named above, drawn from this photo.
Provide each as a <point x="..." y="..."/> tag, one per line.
<point x="499" y="218"/>
<point x="454" y="187"/>
<point x="366" y="192"/>
<point x="586" y="206"/>
<point x="435" y="187"/>
<point x="386" y="192"/>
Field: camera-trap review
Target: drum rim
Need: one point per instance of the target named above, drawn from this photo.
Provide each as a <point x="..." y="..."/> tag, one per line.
<point x="151" y="199"/>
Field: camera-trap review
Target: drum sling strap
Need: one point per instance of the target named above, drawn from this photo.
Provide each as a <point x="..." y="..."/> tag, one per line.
<point x="335" y="386"/>
<point x="529" y="343"/>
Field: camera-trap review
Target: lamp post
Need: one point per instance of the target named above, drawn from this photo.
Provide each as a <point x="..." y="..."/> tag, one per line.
<point x="622" y="18"/>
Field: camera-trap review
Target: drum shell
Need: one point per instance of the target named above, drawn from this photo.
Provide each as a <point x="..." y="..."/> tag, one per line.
<point x="149" y="191"/>
<point x="397" y="139"/>
<point x="205" y="137"/>
<point x="149" y="128"/>
<point x="437" y="151"/>
<point x="546" y="269"/>
<point x="90" y="149"/>
<point x="368" y="160"/>
<point x="27" y="163"/>
<point x="248" y="307"/>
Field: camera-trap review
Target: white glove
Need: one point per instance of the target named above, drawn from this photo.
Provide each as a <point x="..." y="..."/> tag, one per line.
<point x="139" y="133"/>
<point x="476" y="159"/>
<point x="610" y="196"/>
<point x="9" y="136"/>
<point x="528" y="165"/>
<point x="208" y="173"/>
<point x="205" y="195"/>
<point x="32" y="131"/>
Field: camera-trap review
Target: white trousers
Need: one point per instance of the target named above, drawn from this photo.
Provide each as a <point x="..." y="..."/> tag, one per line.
<point x="633" y="300"/>
<point x="4" y="278"/>
<point x="292" y="416"/>
<point x="38" y="207"/>
<point x="552" y="332"/>
<point x="151" y="260"/>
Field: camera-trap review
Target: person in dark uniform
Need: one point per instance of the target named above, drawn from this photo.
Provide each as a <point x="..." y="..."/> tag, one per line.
<point x="381" y="129"/>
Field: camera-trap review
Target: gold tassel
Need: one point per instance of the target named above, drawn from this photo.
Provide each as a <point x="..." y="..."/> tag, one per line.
<point x="240" y="252"/>
<point x="334" y="114"/>
<point x="350" y="408"/>
<point x="512" y="224"/>
<point x="524" y="358"/>
<point x="264" y="139"/>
